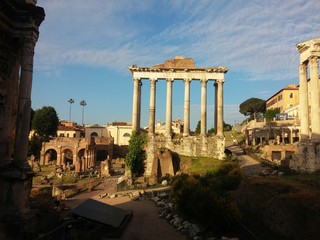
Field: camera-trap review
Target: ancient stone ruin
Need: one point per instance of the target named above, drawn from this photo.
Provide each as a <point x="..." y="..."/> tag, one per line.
<point x="184" y="69"/>
<point x="19" y="32"/>
<point x="308" y="155"/>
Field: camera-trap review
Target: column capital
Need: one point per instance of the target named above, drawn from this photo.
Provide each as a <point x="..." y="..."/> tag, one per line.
<point x="203" y="82"/>
<point x="187" y="80"/>
<point x="136" y="79"/>
<point x="169" y="79"/>
<point x="153" y="80"/>
<point x="313" y="60"/>
<point x="219" y="81"/>
<point x="303" y="67"/>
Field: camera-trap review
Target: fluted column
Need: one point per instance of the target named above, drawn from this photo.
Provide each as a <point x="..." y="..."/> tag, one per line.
<point x="314" y="91"/>
<point x="220" y="107"/>
<point x="135" y="104"/>
<point x="24" y="103"/>
<point x="169" y="107"/>
<point x="152" y="112"/>
<point x="186" y="126"/>
<point x="203" y="107"/>
<point x="303" y="102"/>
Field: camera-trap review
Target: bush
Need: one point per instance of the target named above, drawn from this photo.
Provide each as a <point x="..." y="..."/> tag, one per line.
<point x="136" y="155"/>
<point x="205" y="199"/>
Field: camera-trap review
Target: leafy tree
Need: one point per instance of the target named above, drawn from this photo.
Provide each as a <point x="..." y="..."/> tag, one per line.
<point x="226" y="126"/>
<point x="45" y="122"/>
<point x="252" y="106"/>
<point x="271" y="113"/>
<point x="35" y="145"/>
<point x="211" y="131"/>
<point x="136" y="154"/>
<point x="198" y="128"/>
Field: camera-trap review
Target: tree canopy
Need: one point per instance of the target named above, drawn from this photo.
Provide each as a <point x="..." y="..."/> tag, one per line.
<point x="252" y="106"/>
<point x="271" y="113"/>
<point x="198" y="128"/>
<point x="136" y="154"/>
<point x="45" y="122"/>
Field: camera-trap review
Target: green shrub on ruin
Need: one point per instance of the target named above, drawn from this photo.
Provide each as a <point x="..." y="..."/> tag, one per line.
<point x="136" y="154"/>
<point x="206" y="199"/>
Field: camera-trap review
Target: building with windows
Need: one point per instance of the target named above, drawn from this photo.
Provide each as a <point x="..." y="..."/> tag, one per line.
<point x="285" y="99"/>
<point x="69" y="130"/>
<point x="120" y="132"/>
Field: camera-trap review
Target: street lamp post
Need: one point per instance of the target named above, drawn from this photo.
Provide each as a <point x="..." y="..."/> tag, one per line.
<point x="70" y="101"/>
<point x="83" y="104"/>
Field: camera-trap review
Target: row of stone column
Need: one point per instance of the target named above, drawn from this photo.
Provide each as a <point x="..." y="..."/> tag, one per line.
<point x="310" y="126"/>
<point x="279" y="135"/>
<point x="218" y="111"/>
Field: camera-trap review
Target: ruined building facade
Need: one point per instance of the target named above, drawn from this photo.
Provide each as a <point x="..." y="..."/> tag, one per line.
<point x="19" y="32"/>
<point x="180" y="69"/>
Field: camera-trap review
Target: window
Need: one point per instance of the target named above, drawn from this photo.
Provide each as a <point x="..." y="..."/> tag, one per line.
<point x="291" y="95"/>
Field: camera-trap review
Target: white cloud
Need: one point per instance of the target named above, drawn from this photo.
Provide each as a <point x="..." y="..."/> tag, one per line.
<point x="256" y="37"/>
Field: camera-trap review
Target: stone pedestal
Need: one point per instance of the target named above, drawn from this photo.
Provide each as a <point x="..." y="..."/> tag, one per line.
<point x="15" y="188"/>
<point x="307" y="159"/>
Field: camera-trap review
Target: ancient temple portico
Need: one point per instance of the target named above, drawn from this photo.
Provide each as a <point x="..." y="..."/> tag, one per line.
<point x="308" y="157"/>
<point x="184" y="69"/>
<point x="179" y="68"/>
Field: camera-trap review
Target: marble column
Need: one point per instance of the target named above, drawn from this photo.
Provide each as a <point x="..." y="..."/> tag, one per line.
<point x="169" y="108"/>
<point x="220" y="107"/>
<point x="139" y="106"/>
<point x="314" y="98"/>
<point x="215" y="107"/>
<point x="152" y="112"/>
<point x="203" y="129"/>
<point x="186" y="126"/>
<point x="303" y="102"/>
<point x="24" y="103"/>
<point x="135" y="104"/>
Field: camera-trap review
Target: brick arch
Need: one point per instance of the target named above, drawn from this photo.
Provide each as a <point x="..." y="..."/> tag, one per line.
<point x="50" y="156"/>
<point x="83" y="151"/>
<point x="64" y="157"/>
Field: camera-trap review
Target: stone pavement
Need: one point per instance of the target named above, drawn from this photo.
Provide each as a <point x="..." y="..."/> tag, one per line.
<point x="249" y="166"/>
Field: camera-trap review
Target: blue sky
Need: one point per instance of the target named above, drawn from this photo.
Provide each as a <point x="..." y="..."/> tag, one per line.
<point x="85" y="48"/>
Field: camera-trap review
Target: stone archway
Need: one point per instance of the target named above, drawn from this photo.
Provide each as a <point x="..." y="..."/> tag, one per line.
<point x="70" y="151"/>
<point x="67" y="157"/>
<point x="50" y="155"/>
<point x="94" y="134"/>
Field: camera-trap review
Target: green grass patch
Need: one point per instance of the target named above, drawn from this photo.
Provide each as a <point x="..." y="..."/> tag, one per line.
<point x="230" y="135"/>
<point x="201" y="165"/>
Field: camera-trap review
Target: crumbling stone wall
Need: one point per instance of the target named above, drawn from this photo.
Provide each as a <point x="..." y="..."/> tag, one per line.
<point x="187" y="146"/>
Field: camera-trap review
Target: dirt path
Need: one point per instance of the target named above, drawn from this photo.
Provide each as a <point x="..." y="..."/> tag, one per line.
<point x="145" y="223"/>
<point x="249" y="166"/>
